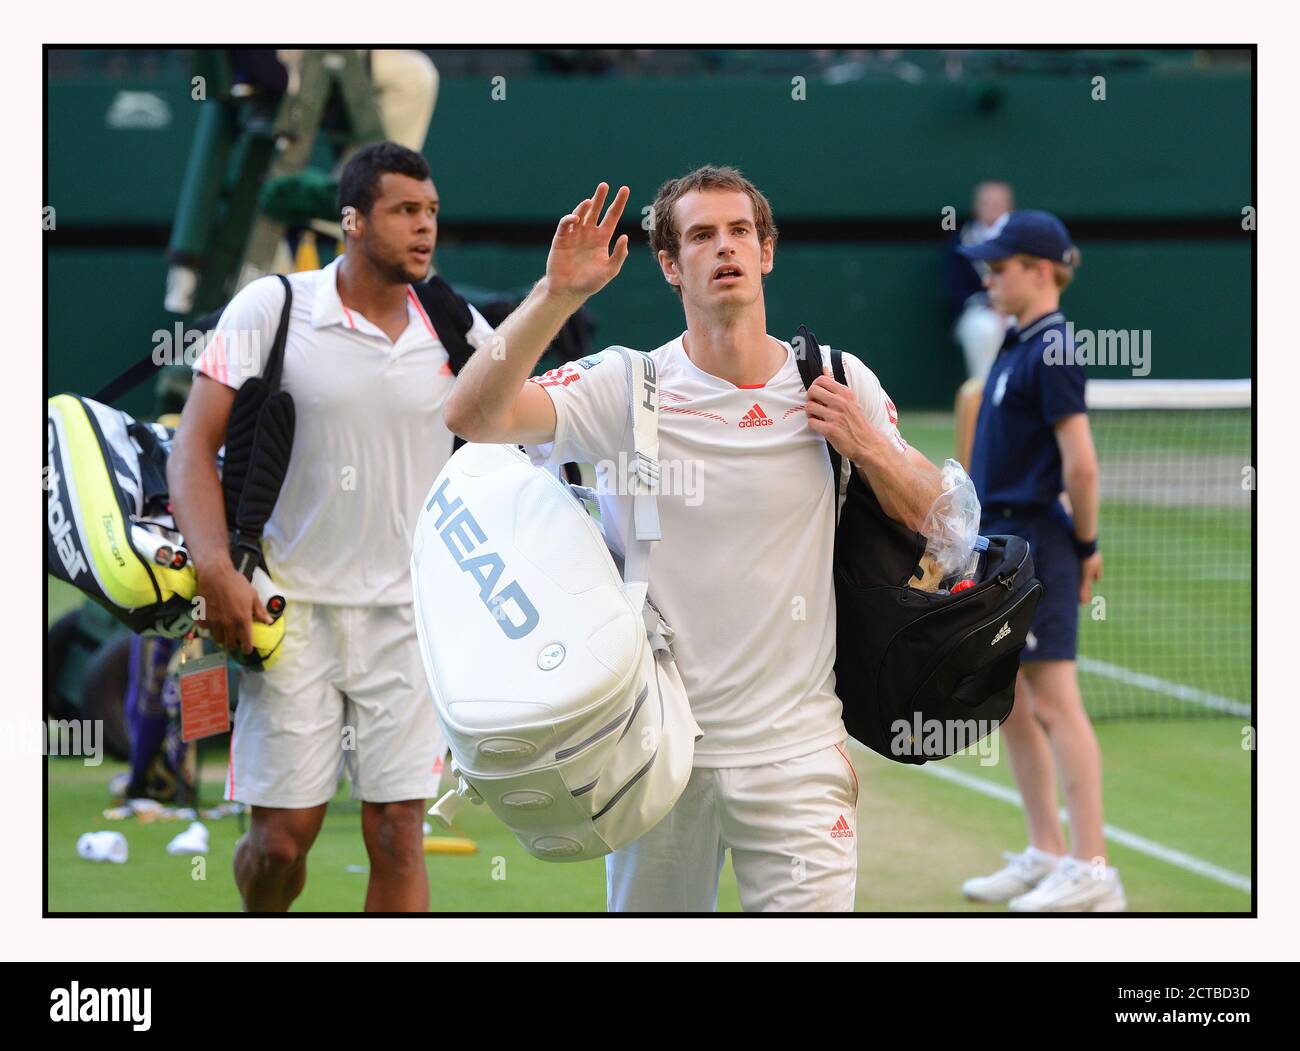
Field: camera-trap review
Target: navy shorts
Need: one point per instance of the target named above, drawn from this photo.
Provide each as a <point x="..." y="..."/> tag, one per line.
<point x="1054" y="633"/>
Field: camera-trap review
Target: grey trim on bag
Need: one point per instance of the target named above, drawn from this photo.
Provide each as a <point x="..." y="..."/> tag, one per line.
<point x="626" y="788"/>
<point x="604" y="731"/>
<point x="645" y="692"/>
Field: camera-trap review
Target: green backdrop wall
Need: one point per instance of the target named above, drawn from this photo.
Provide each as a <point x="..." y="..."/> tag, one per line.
<point x="1165" y="148"/>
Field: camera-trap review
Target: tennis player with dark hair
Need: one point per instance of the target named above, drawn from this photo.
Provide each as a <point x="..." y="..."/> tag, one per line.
<point x="1033" y="443"/>
<point x="369" y="377"/>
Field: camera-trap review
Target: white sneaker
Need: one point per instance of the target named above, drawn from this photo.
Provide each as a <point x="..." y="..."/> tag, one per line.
<point x="1023" y="874"/>
<point x="1074" y="886"/>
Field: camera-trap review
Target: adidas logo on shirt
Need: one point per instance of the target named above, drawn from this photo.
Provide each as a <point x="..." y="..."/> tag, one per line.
<point x="756" y="417"/>
<point x="841" y="829"/>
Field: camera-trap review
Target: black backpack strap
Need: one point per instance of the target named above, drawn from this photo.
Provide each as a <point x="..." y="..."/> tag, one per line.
<point x="808" y="356"/>
<point x="275" y="363"/>
<point x="837" y="373"/>
<point x="450" y="314"/>
<point x="144" y="368"/>
<point x="259" y="435"/>
<point x="897" y="549"/>
<point x="451" y="318"/>
<point x="900" y="548"/>
<point x="128" y="380"/>
<point x="268" y="463"/>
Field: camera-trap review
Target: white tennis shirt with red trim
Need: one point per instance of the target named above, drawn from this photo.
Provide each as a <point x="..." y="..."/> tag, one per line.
<point x="743" y="572"/>
<point x="369" y="440"/>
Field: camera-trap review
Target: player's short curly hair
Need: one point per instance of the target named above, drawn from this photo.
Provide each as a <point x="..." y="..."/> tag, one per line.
<point x="664" y="236"/>
<point x="359" y="183"/>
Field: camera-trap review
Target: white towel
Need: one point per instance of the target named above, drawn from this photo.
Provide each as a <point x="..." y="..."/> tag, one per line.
<point x="194" y="840"/>
<point x="103" y="846"/>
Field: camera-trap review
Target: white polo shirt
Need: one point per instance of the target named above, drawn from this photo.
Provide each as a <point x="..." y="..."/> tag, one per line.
<point x="743" y="572"/>
<point x="369" y="439"/>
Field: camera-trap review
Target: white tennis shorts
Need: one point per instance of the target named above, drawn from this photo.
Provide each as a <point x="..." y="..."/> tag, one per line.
<point x="349" y="688"/>
<point x="792" y="828"/>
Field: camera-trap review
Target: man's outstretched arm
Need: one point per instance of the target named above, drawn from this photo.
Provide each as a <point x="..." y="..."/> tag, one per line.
<point x="492" y="400"/>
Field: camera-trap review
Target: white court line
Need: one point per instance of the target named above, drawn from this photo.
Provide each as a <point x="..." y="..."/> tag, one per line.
<point x="1169" y="689"/>
<point x="1116" y="835"/>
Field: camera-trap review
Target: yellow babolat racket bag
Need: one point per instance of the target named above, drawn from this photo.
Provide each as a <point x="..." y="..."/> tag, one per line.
<point x="109" y="531"/>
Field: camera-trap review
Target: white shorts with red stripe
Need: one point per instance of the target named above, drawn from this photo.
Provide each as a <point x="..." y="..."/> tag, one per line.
<point x="348" y="690"/>
<point x="791" y="828"/>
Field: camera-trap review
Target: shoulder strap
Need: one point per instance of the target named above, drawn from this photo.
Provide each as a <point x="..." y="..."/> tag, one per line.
<point x="450" y="314"/>
<point x="811" y="358"/>
<point x="897" y="546"/>
<point x="128" y="380"/>
<point x="275" y="363"/>
<point x="136" y="374"/>
<point x="451" y="318"/>
<point x="837" y="374"/>
<point x="643" y="445"/>
<point x="807" y="355"/>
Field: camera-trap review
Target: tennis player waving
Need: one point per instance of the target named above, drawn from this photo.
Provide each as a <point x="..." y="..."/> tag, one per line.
<point x="743" y="572"/>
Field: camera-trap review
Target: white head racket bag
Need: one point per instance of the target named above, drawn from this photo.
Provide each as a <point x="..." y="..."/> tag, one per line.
<point x="552" y="675"/>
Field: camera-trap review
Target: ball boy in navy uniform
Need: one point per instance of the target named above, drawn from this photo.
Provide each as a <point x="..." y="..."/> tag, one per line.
<point x="1033" y="444"/>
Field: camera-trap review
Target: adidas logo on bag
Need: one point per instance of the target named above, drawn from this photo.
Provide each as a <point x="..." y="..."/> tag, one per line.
<point x="1003" y="632"/>
<point x="841" y="829"/>
<point x="756" y="417"/>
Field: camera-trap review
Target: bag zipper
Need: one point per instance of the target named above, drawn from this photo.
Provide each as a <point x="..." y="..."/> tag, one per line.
<point x="1007" y="581"/>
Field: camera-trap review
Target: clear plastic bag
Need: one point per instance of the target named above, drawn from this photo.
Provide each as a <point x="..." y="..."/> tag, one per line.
<point x="952" y="527"/>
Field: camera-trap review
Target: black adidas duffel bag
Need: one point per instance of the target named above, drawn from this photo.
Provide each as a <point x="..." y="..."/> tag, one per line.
<point x="921" y="675"/>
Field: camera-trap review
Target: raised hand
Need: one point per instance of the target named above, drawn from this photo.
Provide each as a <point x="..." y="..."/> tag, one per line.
<point x="580" y="263"/>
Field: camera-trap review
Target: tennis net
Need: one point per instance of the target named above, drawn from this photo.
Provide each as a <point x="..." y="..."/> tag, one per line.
<point x="1168" y="633"/>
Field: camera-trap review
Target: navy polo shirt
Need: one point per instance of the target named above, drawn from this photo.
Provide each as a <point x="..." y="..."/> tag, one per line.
<point x="1015" y="461"/>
